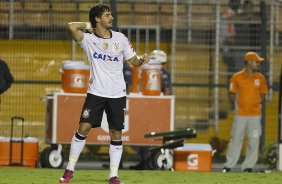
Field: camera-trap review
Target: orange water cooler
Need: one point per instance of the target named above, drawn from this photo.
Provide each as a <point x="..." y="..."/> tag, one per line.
<point x="29" y="150"/>
<point x="193" y="157"/>
<point x="75" y="76"/>
<point x="151" y="79"/>
<point x="136" y="79"/>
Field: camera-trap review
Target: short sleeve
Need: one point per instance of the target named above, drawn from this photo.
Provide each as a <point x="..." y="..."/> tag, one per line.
<point x="233" y="85"/>
<point x="84" y="40"/>
<point x="128" y="51"/>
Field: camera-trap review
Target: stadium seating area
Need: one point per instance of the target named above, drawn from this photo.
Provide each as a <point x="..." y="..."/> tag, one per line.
<point x="53" y="13"/>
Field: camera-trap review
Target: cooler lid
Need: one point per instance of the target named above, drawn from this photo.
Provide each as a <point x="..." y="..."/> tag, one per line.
<point x="195" y="147"/>
<point x="79" y="65"/>
<point x="152" y="66"/>
<point x="31" y="139"/>
<point x="26" y="139"/>
<point x="154" y="62"/>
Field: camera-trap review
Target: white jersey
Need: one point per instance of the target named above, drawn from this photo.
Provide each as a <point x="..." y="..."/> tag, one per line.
<point x="105" y="56"/>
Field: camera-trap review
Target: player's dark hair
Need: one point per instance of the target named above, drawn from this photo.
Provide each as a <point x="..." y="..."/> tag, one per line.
<point x="97" y="11"/>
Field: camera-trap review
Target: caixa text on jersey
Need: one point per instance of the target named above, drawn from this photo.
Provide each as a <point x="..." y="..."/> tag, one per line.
<point x="104" y="57"/>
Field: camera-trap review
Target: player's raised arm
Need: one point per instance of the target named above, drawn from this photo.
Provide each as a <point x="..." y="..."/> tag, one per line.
<point x="139" y="60"/>
<point x="76" y="29"/>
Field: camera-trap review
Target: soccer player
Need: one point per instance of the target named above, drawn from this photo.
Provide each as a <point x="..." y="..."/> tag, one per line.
<point x="105" y="50"/>
<point x="247" y="88"/>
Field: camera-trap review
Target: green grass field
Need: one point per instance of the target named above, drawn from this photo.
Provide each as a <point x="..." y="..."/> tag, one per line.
<point x="51" y="176"/>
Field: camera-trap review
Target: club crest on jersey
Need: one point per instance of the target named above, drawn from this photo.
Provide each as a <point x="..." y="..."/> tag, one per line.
<point x="86" y="113"/>
<point x="104" y="57"/>
<point x="115" y="46"/>
<point x="256" y="82"/>
<point x="105" y="46"/>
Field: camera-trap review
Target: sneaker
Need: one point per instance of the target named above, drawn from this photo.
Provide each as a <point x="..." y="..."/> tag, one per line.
<point x="67" y="176"/>
<point x="226" y="170"/>
<point x="115" y="180"/>
<point x="248" y="170"/>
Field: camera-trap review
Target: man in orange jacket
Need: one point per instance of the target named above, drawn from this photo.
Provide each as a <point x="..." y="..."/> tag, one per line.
<point x="247" y="88"/>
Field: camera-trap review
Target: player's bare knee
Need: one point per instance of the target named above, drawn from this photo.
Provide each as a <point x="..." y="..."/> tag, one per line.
<point x="84" y="128"/>
<point x="115" y="134"/>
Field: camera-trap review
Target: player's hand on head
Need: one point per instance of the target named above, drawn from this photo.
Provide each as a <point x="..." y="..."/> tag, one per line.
<point x="89" y="27"/>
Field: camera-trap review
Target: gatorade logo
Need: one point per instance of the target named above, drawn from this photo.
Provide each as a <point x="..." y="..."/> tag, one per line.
<point x="257" y="82"/>
<point x="193" y="161"/>
<point x="77" y="81"/>
<point x="153" y="80"/>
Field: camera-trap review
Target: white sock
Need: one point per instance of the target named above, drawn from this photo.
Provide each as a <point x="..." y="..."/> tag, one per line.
<point x="77" y="145"/>
<point x="115" y="152"/>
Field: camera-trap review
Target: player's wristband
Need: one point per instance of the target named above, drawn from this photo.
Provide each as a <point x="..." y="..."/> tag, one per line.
<point x="140" y="59"/>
